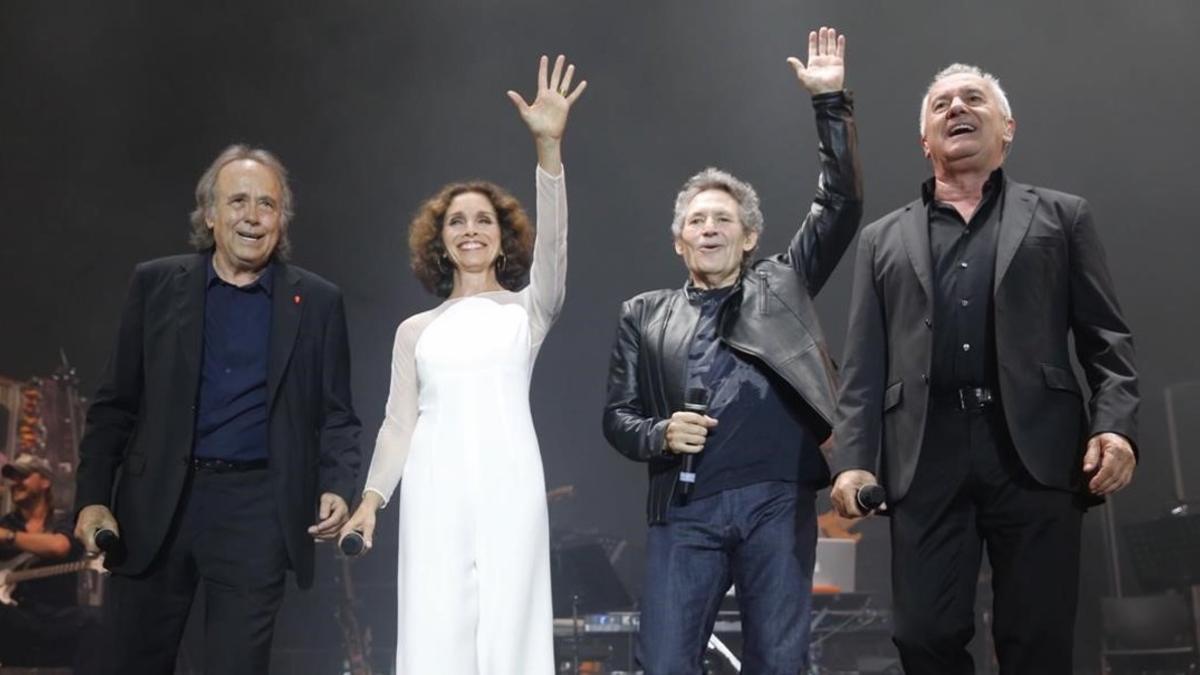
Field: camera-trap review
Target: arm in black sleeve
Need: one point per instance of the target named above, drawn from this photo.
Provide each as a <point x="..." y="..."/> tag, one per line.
<point x="627" y="427"/>
<point x="836" y="211"/>
<point x="113" y="414"/>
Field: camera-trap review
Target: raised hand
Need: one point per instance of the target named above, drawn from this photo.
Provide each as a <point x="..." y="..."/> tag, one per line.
<point x="546" y="117"/>
<point x="826" y="69"/>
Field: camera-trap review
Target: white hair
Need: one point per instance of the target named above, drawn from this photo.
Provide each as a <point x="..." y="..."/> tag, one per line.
<point x="959" y="69"/>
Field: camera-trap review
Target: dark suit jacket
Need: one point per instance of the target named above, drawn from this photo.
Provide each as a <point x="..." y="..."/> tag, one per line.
<point x="136" y="448"/>
<point x="773" y="319"/>
<point x="1051" y="280"/>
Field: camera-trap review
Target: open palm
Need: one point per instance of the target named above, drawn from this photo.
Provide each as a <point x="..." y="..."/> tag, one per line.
<point x="826" y="69"/>
<point x="546" y="117"/>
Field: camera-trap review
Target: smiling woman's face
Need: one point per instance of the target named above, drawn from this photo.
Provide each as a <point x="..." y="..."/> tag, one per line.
<point x="712" y="239"/>
<point x="246" y="215"/>
<point x="471" y="232"/>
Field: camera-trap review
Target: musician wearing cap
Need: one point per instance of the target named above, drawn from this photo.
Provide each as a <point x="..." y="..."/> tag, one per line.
<point x="40" y="622"/>
<point x="747" y="334"/>
<point x="958" y="392"/>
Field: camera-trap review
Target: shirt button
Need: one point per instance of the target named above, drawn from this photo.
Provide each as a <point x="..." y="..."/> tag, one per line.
<point x="929" y="323"/>
<point x="966" y="347"/>
<point x="963" y="264"/>
<point x="227" y="371"/>
<point x="964" y="302"/>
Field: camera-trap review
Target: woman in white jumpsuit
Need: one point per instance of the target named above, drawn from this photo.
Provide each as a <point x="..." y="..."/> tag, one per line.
<point x="474" y="562"/>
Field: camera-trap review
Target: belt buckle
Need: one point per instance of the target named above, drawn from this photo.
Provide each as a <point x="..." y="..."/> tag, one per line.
<point x="974" y="398"/>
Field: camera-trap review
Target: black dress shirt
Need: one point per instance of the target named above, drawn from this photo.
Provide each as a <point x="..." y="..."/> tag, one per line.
<point x="231" y="412"/>
<point x="963" y="255"/>
<point x="762" y="434"/>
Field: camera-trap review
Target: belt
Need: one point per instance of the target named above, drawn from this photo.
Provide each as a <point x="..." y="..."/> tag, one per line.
<point x="969" y="398"/>
<point x="217" y="465"/>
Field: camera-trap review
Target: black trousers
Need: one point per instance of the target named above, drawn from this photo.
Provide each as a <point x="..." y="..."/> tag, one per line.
<point x="970" y="490"/>
<point x="226" y="539"/>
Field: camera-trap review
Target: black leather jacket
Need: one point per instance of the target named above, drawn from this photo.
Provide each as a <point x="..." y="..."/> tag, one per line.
<point x="774" y="320"/>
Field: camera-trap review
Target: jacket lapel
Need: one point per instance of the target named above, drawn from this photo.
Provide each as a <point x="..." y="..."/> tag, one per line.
<point x="914" y="230"/>
<point x="190" y="281"/>
<point x="676" y="338"/>
<point x="287" y="303"/>
<point x="1019" y="203"/>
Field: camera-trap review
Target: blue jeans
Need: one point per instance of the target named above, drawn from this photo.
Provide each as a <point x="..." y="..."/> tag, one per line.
<point x="762" y="538"/>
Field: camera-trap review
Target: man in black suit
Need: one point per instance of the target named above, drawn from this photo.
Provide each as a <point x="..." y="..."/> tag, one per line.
<point x="957" y="386"/>
<point x="221" y="430"/>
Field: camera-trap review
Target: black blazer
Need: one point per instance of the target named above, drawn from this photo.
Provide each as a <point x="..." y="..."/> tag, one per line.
<point x="1051" y="280"/>
<point x="137" y="445"/>
<point x="773" y="319"/>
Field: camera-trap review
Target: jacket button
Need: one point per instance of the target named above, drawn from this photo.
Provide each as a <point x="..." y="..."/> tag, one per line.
<point x="928" y="323"/>
<point x="925" y="378"/>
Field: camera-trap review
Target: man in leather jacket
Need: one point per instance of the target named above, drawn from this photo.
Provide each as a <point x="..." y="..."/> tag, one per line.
<point x="748" y="334"/>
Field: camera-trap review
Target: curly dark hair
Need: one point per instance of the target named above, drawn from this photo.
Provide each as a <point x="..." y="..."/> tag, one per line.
<point x="428" y="254"/>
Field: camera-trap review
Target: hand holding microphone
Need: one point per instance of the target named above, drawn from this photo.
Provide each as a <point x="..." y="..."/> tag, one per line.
<point x="856" y="493"/>
<point x="355" y="538"/>
<point x="686" y="434"/>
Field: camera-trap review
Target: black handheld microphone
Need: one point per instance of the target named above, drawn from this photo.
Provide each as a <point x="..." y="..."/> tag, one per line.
<point x="106" y="540"/>
<point x="352" y="544"/>
<point x="870" y="497"/>
<point x="696" y="400"/>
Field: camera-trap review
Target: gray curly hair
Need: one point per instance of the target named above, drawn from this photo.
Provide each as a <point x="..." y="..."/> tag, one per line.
<point x="201" y="237"/>
<point x="715" y="179"/>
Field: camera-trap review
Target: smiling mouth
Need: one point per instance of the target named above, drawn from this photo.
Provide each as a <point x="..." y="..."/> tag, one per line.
<point x="960" y="129"/>
<point x="471" y="245"/>
<point x="247" y="236"/>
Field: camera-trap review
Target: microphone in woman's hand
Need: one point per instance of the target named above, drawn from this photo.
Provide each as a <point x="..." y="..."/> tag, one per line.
<point x="352" y="544"/>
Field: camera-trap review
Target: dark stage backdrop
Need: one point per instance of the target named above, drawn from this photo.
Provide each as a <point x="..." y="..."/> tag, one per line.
<point x="111" y="110"/>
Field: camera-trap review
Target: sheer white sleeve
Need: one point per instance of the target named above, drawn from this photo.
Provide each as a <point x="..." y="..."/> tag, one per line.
<point x="543" y="298"/>
<point x="400" y="415"/>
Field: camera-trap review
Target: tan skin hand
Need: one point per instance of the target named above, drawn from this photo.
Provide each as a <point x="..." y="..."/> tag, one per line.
<point x="687" y="431"/>
<point x="332" y="515"/>
<point x="826" y="68"/>
<point x="92" y="518"/>
<point x="1111" y="457"/>
<point x="363" y="520"/>
<point x="844" y="494"/>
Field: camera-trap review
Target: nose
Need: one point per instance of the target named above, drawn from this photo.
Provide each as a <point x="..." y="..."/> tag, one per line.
<point x="252" y="212"/>
<point x="957" y="105"/>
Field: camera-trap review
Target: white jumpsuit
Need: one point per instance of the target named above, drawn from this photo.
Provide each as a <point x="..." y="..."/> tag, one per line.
<point x="474" y="561"/>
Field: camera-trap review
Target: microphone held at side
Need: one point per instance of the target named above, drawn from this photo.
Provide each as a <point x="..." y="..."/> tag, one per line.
<point x="696" y="400"/>
<point x="870" y="498"/>
<point x="352" y="544"/>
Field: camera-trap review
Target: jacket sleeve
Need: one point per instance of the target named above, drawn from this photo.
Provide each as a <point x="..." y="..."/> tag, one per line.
<point x="1103" y="341"/>
<point x="340" y="455"/>
<point x="859" y="424"/>
<point x="836" y="211"/>
<point x="627" y="426"/>
<point x="113" y="414"/>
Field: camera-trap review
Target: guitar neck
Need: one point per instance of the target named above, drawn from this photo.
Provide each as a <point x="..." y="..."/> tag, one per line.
<point x="48" y="571"/>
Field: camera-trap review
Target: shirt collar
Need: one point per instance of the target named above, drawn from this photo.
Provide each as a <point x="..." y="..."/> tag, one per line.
<point x="264" y="280"/>
<point x="990" y="187"/>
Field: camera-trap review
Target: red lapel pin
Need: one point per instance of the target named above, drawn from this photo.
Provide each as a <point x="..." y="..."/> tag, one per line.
<point x="296" y="299"/>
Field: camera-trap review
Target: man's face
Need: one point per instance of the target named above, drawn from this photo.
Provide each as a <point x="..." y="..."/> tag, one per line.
<point x="712" y="239"/>
<point x="29" y="488"/>
<point x="964" y="125"/>
<point x="245" y="216"/>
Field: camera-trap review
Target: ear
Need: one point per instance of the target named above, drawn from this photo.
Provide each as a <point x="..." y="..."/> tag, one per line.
<point x="924" y="146"/>
<point x="1010" y="129"/>
<point x="751" y="241"/>
<point x="678" y="246"/>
